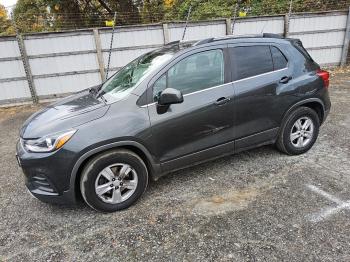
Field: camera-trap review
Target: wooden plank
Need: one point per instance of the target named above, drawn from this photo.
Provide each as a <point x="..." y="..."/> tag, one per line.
<point x="345" y="50"/>
<point x="99" y="54"/>
<point x="166" y="34"/>
<point x="26" y="66"/>
<point x="228" y="26"/>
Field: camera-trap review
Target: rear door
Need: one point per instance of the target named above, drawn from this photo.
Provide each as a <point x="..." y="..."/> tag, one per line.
<point x="259" y="72"/>
<point x="202" y="125"/>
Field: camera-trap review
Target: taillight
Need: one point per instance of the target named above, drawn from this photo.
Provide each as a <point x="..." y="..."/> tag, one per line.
<point x="325" y="77"/>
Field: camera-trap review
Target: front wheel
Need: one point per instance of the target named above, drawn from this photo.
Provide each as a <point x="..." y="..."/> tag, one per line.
<point x="113" y="180"/>
<point x="299" y="131"/>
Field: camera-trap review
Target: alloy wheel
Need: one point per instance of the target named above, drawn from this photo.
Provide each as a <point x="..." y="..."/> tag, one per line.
<point x="116" y="183"/>
<point x="302" y="132"/>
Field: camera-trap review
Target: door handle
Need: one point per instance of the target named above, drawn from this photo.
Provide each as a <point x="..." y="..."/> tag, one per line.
<point x="222" y="100"/>
<point x="285" y="79"/>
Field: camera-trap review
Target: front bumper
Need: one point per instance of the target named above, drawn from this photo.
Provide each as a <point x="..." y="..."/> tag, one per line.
<point x="47" y="175"/>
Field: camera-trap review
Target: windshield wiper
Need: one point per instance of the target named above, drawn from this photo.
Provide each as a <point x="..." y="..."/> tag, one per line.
<point x="92" y="90"/>
<point x="99" y="88"/>
<point x="104" y="99"/>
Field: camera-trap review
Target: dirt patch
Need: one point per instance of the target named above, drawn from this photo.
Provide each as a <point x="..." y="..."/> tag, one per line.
<point x="9" y="112"/>
<point x="230" y="201"/>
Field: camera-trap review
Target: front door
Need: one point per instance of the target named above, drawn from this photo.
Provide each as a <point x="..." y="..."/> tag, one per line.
<point x="202" y="125"/>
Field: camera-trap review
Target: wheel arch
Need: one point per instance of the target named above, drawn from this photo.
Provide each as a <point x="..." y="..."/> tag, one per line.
<point x="313" y="103"/>
<point x="152" y="167"/>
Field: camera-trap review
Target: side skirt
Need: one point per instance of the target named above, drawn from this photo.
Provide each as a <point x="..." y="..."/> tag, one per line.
<point x="263" y="138"/>
<point x="197" y="158"/>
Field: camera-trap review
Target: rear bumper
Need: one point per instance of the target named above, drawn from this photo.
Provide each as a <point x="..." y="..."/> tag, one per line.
<point x="327" y="107"/>
<point x="326" y="113"/>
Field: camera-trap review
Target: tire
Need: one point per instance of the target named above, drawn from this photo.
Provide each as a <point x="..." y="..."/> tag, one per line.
<point x="292" y="129"/>
<point x="128" y="180"/>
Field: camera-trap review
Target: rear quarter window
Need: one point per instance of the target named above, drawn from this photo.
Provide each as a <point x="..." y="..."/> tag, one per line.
<point x="279" y="60"/>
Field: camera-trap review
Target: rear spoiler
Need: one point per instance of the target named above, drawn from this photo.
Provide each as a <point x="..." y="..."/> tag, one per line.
<point x="299" y="46"/>
<point x="270" y="35"/>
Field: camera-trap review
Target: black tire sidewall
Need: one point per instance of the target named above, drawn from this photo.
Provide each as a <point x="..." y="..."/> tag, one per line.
<point x="294" y="116"/>
<point x="97" y="164"/>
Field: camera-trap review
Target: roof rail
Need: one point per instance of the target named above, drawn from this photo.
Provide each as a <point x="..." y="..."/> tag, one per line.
<point x="270" y="35"/>
<point x="204" y="41"/>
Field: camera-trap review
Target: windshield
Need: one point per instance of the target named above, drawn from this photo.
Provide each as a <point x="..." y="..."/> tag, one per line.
<point x="123" y="82"/>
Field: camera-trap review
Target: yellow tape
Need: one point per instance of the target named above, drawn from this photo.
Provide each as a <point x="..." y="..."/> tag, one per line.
<point x="242" y="14"/>
<point x="109" y="23"/>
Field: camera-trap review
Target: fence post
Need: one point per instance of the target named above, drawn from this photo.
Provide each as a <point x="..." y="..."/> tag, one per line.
<point x="344" y="53"/>
<point x="99" y="54"/>
<point x="27" y="69"/>
<point x="286" y="25"/>
<point x="166" y="33"/>
<point x="25" y="61"/>
<point x="228" y="26"/>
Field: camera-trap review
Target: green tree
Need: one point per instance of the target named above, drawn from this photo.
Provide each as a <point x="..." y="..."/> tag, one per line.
<point x="50" y="15"/>
<point x="152" y="11"/>
<point x="6" y="27"/>
<point x="127" y="11"/>
<point x="29" y="15"/>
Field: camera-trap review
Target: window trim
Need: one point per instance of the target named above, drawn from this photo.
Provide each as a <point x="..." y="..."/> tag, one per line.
<point x="228" y="65"/>
<point x="232" y="82"/>
<point x="269" y="45"/>
<point x="266" y="73"/>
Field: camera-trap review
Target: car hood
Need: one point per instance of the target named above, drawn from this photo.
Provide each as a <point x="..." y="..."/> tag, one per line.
<point x="65" y="114"/>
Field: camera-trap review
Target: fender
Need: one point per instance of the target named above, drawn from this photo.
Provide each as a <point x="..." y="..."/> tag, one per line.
<point x="302" y="102"/>
<point x="155" y="167"/>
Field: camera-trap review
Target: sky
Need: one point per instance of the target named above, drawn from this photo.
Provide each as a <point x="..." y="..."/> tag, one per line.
<point x="8" y="3"/>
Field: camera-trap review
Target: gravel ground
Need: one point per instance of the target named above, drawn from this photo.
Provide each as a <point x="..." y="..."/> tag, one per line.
<point x="258" y="205"/>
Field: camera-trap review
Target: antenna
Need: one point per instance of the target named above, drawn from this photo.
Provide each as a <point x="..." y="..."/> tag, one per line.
<point x="262" y="30"/>
<point x="188" y="17"/>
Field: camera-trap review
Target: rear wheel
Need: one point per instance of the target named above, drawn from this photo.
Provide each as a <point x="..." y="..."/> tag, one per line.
<point x="113" y="180"/>
<point x="299" y="131"/>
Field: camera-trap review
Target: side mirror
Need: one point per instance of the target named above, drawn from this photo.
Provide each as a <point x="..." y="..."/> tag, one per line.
<point x="170" y="96"/>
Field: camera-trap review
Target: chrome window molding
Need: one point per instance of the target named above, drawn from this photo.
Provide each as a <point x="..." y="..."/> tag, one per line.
<point x="210" y="88"/>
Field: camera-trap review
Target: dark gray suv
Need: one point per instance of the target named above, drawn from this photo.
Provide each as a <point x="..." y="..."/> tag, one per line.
<point x="179" y="105"/>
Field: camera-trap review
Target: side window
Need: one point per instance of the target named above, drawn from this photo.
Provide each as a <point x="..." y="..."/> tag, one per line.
<point x="193" y="73"/>
<point x="279" y="60"/>
<point x="251" y="60"/>
<point x="159" y="86"/>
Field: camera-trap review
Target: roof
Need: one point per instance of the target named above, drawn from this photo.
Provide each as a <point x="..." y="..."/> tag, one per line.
<point x="187" y="44"/>
<point x="178" y="47"/>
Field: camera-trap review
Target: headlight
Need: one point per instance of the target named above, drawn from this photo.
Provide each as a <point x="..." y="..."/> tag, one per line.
<point x="48" y="143"/>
